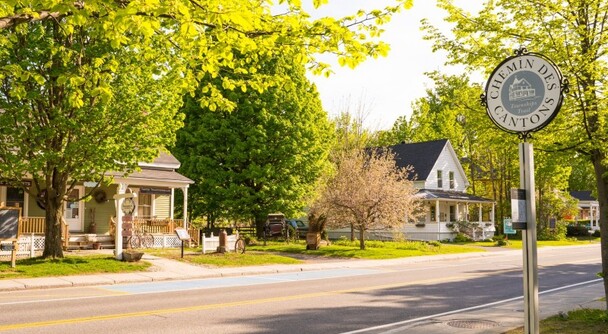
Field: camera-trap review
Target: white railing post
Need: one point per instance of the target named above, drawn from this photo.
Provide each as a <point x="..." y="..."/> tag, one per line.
<point x="32" y="246"/>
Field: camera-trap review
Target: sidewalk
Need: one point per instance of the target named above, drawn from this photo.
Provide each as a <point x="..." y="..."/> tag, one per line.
<point x="497" y="318"/>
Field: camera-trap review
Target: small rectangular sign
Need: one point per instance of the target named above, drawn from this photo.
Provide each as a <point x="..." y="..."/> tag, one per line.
<point x="182" y="234"/>
<point x="518" y="205"/>
<point x="508" y="226"/>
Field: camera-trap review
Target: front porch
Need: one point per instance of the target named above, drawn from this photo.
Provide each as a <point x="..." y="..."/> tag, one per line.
<point x="444" y="211"/>
<point x="32" y="231"/>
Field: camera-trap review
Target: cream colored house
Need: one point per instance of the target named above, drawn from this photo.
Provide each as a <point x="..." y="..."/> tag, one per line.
<point x="91" y="218"/>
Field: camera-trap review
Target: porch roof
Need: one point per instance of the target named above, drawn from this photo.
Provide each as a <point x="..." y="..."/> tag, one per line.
<point x="452" y="196"/>
<point x="150" y="176"/>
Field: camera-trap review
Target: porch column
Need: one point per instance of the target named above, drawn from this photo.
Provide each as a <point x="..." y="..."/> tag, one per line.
<point x="172" y="203"/>
<point x="122" y="188"/>
<point x="437" y="215"/>
<point x="185" y="191"/>
<point x="480" y="214"/>
<point x="457" y="217"/>
<point x="492" y="213"/>
<point x="592" y="214"/>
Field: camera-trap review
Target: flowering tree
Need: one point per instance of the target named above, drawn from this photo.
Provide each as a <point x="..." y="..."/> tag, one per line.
<point x="368" y="191"/>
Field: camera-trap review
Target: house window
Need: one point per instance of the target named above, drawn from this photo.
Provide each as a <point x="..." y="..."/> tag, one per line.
<point x="439" y="179"/>
<point x="451" y="176"/>
<point x="144" y="206"/>
<point x="433" y="213"/>
<point x="15" y="197"/>
<point x="452" y="213"/>
<point x="72" y="206"/>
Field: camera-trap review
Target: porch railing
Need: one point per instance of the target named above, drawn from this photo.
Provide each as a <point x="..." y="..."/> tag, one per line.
<point x="37" y="225"/>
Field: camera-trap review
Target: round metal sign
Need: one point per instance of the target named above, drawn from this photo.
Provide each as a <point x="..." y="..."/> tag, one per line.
<point x="128" y="206"/>
<point x="524" y="93"/>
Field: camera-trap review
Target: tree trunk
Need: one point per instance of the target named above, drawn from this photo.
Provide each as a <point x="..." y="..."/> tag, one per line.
<point x="259" y="227"/>
<point x="602" y="192"/>
<point x="352" y="232"/>
<point x="53" y="246"/>
<point x="361" y="238"/>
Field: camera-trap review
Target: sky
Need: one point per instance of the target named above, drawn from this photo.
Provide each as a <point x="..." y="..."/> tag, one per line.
<point x="383" y="89"/>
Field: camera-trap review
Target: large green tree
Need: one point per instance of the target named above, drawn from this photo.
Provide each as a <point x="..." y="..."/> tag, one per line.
<point x="264" y="156"/>
<point x="91" y="86"/>
<point x="574" y="35"/>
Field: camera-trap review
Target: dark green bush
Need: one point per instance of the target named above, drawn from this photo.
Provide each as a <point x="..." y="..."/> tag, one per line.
<point x="577" y="230"/>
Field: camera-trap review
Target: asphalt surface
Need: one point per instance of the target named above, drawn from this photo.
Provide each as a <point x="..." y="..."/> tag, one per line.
<point x="490" y="318"/>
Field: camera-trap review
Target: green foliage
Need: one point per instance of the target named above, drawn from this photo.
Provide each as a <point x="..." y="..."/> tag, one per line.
<point x="461" y="237"/>
<point x="556" y="234"/>
<point x="264" y="156"/>
<point x="500" y="240"/>
<point x="577" y="230"/>
<point x="581" y="321"/>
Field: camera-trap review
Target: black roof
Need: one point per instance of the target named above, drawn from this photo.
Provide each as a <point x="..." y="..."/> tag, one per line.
<point x="421" y="156"/>
<point x="450" y="195"/>
<point x="584" y="195"/>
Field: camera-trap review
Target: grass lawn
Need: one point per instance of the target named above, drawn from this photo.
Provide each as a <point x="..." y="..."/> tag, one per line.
<point x="374" y="249"/>
<point x="70" y="265"/>
<point x="517" y="244"/>
<point x="585" y="321"/>
<point x="229" y="259"/>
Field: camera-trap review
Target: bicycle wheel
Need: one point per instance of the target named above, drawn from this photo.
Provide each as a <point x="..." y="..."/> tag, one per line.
<point x="134" y="241"/>
<point x="239" y="246"/>
<point x="147" y="240"/>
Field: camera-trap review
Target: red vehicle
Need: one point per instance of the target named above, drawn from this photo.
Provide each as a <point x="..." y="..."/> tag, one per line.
<point x="275" y="225"/>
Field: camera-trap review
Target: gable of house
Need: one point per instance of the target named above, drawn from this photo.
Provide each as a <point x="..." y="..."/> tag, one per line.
<point x="432" y="161"/>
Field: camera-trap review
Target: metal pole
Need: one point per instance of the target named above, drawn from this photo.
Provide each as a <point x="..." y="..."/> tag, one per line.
<point x="530" y="259"/>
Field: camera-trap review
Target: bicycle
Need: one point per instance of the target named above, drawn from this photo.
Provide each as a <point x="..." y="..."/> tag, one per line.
<point x="141" y="239"/>
<point x="239" y="245"/>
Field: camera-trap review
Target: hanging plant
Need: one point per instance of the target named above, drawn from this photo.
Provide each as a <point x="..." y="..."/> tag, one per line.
<point x="41" y="199"/>
<point x="100" y="196"/>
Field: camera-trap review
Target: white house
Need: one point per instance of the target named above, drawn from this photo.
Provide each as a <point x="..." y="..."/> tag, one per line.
<point x="441" y="183"/>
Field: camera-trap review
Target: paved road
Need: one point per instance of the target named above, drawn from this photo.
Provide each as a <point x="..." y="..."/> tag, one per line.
<point x="367" y="299"/>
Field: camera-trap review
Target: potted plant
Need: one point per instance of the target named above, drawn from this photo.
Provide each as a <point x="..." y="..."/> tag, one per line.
<point x="131" y="255"/>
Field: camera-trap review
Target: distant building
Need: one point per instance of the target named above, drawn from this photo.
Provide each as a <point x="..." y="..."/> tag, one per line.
<point x="588" y="208"/>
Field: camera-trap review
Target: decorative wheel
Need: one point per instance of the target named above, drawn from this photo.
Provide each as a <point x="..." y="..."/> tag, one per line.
<point x="239" y="246"/>
<point x="134" y="242"/>
<point x="147" y="241"/>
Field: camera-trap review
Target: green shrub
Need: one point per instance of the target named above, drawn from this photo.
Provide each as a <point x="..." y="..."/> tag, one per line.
<point x="461" y="237"/>
<point x="577" y="230"/>
<point x="434" y="243"/>
<point x="596" y="234"/>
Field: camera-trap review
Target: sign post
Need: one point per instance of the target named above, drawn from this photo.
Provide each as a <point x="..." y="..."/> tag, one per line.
<point x="122" y="208"/>
<point x="182" y="234"/>
<point x="10" y="218"/>
<point x="523" y="95"/>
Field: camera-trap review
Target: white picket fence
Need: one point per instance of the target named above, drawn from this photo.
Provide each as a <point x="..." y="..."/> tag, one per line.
<point x="210" y="244"/>
<point x="27" y="247"/>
